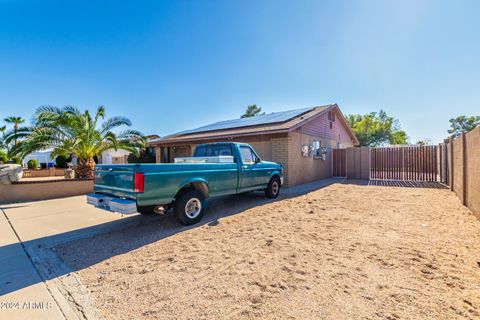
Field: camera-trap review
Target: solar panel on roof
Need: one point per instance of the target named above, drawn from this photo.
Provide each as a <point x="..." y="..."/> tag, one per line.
<point x="251" y="121"/>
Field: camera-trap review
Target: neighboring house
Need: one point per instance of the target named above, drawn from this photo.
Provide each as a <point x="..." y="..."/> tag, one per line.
<point x="43" y="158"/>
<point x="113" y="157"/>
<point x="120" y="156"/>
<point x="300" y="140"/>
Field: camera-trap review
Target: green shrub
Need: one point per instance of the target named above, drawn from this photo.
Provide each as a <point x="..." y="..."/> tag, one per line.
<point x="15" y="160"/>
<point x="3" y="157"/>
<point x="32" y="164"/>
<point x="62" y="161"/>
<point x="145" y="157"/>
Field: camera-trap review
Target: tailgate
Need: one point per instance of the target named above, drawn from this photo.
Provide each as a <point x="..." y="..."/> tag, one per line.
<point x="115" y="180"/>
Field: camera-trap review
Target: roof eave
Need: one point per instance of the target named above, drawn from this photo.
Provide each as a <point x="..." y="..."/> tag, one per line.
<point x="223" y="136"/>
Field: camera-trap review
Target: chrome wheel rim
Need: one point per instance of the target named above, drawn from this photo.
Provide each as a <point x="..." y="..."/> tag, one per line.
<point x="193" y="208"/>
<point x="275" y="187"/>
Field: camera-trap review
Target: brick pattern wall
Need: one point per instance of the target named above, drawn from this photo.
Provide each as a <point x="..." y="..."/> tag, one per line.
<point x="464" y="173"/>
<point x="458" y="167"/>
<point x="280" y="153"/>
<point x="42" y="190"/>
<point x="473" y="170"/>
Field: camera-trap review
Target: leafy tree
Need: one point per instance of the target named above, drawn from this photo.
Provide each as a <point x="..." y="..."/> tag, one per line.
<point x="252" y="111"/>
<point x="398" y="137"/>
<point x="15" y="160"/>
<point x="3" y="144"/>
<point x="16" y="121"/>
<point x="3" y="157"/>
<point x="6" y="139"/>
<point x="425" y="142"/>
<point x="69" y="131"/>
<point x="462" y="124"/>
<point x="377" y="129"/>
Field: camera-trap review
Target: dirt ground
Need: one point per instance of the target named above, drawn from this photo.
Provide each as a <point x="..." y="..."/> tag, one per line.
<point x="343" y="252"/>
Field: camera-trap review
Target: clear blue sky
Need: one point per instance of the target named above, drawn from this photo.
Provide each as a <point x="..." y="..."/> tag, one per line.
<point x="175" y="65"/>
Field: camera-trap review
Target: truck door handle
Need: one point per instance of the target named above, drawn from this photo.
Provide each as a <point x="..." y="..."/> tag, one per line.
<point x="244" y="167"/>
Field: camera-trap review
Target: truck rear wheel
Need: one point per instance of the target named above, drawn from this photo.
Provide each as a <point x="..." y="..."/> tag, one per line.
<point x="188" y="208"/>
<point x="273" y="188"/>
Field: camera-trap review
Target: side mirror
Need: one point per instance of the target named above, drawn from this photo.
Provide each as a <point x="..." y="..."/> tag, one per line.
<point x="258" y="160"/>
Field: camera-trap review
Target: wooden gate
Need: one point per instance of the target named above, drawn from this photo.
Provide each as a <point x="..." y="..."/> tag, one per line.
<point x="339" y="163"/>
<point x="417" y="163"/>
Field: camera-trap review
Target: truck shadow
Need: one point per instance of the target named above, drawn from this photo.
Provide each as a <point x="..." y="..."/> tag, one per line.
<point x="82" y="253"/>
<point x="60" y="254"/>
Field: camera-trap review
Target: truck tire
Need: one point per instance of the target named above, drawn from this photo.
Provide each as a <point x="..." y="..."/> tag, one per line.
<point x="146" y="209"/>
<point x="189" y="207"/>
<point x="273" y="188"/>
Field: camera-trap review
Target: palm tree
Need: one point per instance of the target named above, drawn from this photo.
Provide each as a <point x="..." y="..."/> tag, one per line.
<point x="69" y="131"/>
<point x="2" y="138"/>
<point x="16" y="121"/>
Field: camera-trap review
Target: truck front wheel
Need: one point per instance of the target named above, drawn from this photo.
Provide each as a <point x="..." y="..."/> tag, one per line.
<point x="188" y="207"/>
<point x="273" y="188"/>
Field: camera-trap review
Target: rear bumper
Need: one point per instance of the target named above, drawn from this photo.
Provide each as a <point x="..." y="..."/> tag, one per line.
<point x="119" y="205"/>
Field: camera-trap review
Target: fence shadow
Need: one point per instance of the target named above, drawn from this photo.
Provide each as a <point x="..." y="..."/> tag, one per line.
<point x="407" y="184"/>
<point x="397" y="183"/>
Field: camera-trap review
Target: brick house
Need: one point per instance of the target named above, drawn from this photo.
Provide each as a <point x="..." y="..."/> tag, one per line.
<point x="301" y="140"/>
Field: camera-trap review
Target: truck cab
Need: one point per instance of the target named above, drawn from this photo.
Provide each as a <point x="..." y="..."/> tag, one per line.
<point x="252" y="171"/>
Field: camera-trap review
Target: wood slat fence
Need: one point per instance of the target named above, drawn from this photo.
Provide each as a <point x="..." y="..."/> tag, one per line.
<point x="454" y="163"/>
<point x="414" y="163"/>
<point x="339" y="163"/>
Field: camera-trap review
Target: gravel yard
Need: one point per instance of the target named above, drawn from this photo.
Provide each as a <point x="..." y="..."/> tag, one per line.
<point x="343" y="252"/>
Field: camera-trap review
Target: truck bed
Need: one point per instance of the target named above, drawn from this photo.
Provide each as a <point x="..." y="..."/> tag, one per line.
<point x="164" y="179"/>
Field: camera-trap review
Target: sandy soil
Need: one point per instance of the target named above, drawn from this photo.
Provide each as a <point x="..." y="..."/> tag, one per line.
<point x="342" y="252"/>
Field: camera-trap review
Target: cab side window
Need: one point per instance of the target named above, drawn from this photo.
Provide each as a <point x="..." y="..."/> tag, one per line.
<point x="248" y="157"/>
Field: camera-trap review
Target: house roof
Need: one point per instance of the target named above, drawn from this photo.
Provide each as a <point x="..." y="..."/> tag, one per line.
<point x="152" y="137"/>
<point x="276" y="122"/>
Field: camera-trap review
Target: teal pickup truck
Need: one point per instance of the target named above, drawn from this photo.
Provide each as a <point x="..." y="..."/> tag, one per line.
<point x="216" y="169"/>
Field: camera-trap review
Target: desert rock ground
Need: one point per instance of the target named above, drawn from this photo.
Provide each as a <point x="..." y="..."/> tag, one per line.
<point x="343" y="252"/>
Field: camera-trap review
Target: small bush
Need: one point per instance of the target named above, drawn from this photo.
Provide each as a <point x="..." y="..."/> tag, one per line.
<point x="32" y="164"/>
<point x="3" y="157"/>
<point x="15" y="160"/>
<point x="145" y="157"/>
<point x="62" y="161"/>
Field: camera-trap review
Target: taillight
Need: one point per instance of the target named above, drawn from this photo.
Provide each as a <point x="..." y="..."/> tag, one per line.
<point x="138" y="182"/>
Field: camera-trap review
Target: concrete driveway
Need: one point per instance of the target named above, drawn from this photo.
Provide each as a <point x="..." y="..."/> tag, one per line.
<point x="27" y="231"/>
<point x="36" y="284"/>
